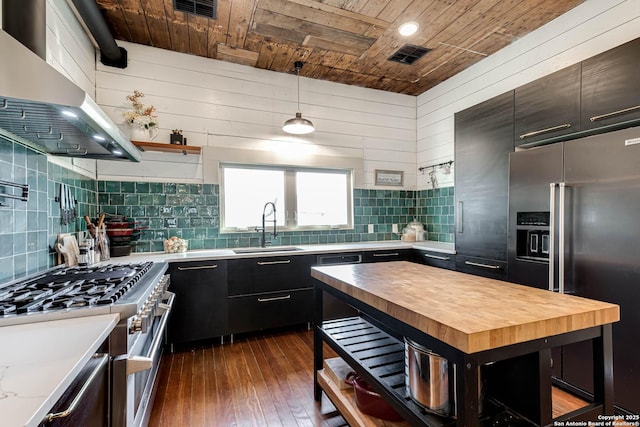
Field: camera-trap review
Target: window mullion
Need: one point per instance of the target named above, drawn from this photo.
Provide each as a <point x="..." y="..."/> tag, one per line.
<point x="291" y="200"/>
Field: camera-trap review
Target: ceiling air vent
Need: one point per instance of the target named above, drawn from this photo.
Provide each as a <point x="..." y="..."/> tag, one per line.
<point x="408" y="54"/>
<point x="206" y="8"/>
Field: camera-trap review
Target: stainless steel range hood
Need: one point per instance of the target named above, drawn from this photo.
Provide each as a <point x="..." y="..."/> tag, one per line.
<point x="42" y="109"/>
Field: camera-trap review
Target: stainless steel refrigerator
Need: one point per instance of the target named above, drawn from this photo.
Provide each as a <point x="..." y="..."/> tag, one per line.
<point x="574" y="227"/>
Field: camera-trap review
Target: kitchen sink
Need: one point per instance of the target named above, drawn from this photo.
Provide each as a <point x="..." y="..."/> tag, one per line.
<point x="269" y="249"/>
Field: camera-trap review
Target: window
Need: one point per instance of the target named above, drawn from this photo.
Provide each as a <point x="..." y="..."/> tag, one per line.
<point x="305" y="198"/>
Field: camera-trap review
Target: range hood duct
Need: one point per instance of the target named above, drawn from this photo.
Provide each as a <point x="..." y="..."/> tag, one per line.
<point x="42" y="109"/>
<point x="26" y="21"/>
<point x="110" y="53"/>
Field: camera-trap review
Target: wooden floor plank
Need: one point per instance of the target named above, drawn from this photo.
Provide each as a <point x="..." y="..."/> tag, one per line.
<point x="222" y="411"/>
<point x="245" y="401"/>
<point x="259" y="380"/>
<point x="289" y="414"/>
<point x="198" y="389"/>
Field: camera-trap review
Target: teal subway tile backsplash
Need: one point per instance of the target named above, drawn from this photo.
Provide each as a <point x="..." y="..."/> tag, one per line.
<point x="28" y="230"/>
<point x="191" y="211"/>
<point x="435" y="208"/>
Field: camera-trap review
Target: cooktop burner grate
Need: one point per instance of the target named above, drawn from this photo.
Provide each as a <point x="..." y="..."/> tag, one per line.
<point x="71" y="287"/>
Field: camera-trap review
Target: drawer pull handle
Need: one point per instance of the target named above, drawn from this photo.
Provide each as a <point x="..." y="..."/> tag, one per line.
<point x="199" y="267"/>
<point x="477" y="264"/>
<point x="442" y="258"/>
<point x="614" y="113"/>
<point x="389" y="254"/>
<point x="104" y="359"/>
<point x="541" y="131"/>
<point x="288" y="261"/>
<point x="274" y="298"/>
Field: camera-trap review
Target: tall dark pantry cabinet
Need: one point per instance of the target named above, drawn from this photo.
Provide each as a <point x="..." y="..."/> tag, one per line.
<point x="483" y="141"/>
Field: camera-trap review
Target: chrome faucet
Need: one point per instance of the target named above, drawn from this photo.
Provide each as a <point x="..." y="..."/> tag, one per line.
<point x="265" y="214"/>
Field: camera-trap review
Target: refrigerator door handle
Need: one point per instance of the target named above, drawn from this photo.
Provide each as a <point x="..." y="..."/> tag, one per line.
<point x="552" y="220"/>
<point x="561" y="241"/>
<point x="459" y="217"/>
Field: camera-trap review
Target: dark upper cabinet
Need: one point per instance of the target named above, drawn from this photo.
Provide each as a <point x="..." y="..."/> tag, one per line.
<point x="200" y="309"/>
<point x="548" y="107"/>
<point x="483" y="141"/>
<point x="611" y="86"/>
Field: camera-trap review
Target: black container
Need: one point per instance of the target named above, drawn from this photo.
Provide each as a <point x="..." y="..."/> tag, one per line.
<point x="120" y="250"/>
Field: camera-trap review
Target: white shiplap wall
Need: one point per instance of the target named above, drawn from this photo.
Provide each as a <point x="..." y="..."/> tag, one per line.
<point x="591" y="28"/>
<point x="231" y="109"/>
<point x="70" y="51"/>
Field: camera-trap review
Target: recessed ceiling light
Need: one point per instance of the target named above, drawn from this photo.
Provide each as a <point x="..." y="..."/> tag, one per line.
<point x="69" y="113"/>
<point x="408" y="28"/>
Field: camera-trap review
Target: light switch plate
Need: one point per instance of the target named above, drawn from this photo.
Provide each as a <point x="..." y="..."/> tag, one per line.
<point x="370" y="228"/>
<point x="394" y="228"/>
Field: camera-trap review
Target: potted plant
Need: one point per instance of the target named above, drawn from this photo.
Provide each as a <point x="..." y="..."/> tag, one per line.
<point x="142" y="120"/>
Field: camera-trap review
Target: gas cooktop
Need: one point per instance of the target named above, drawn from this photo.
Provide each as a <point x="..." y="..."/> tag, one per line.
<point x="71" y="287"/>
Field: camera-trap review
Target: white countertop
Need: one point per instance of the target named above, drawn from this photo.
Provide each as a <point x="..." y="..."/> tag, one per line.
<point x="38" y="361"/>
<point x="207" y="254"/>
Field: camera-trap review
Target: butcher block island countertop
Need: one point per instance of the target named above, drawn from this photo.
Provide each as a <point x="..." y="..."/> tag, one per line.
<point x="468" y="312"/>
<point x="498" y="331"/>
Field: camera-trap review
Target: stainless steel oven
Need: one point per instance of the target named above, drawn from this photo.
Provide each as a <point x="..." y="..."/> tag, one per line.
<point x="134" y="373"/>
<point x="138" y="293"/>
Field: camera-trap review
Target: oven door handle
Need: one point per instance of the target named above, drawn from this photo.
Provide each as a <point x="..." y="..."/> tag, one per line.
<point x="76" y="400"/>
<point x="137" y="364"/>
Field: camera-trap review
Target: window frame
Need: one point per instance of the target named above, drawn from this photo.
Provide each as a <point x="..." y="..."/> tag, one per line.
<point x="290" y="197"/>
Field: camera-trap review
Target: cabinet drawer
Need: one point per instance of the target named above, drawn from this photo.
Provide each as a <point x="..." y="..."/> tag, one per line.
<point x="436" y="259"/>
<point x="338" y="259"/>
<point x="268" y="274"/>
<point x="387" y="255"/>
<point x="484" y="267"/>
<point x="270" y="310"/>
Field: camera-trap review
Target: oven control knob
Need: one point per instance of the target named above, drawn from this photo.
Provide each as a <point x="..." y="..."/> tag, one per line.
<point x="144" y="324"/>
<point x="136" y="325"/>
<point x="162" y="308"/>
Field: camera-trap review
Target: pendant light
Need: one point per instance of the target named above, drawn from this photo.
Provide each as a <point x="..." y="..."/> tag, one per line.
<point x="298" y="125"/>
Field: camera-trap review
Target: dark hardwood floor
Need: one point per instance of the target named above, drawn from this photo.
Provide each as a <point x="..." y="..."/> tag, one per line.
<point x="263" y="380"/>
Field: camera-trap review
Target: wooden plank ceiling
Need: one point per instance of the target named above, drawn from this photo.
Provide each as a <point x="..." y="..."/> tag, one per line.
<point x="346" y="41"/>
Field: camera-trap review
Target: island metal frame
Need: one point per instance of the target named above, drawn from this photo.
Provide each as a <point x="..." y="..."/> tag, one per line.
<point x="467" y="386"/>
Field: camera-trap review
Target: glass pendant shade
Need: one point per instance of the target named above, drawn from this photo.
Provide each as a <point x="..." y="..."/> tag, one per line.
<point x="298" y="125"/>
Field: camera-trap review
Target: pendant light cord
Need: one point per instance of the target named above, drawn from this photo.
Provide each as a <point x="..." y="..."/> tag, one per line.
<point x="298" y="77"/>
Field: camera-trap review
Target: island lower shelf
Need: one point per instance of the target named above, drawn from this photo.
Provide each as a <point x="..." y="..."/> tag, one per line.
<point x="380" y="359"/>
<point x="344" y="400"/>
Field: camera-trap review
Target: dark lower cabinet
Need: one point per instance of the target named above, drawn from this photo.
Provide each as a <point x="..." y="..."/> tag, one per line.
<point x="435" y="259"/>
<point x="92" y="407"/>
<point x="270" y="310"/>
<point x="387" y="255"/>
<point x="269" y="274"/>
<point x="269" y="292"/>
<point x="484" y="267"/>
<point x="200" y="309"/>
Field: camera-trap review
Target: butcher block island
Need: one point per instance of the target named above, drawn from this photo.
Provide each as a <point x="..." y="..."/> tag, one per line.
<point x="495" y="339"/>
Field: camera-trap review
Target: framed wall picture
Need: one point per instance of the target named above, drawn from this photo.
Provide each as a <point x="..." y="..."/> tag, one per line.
<point x="389" y="178"/>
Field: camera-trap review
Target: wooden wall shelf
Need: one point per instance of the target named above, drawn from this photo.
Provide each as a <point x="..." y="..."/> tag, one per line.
<point x="167" y="148"/>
